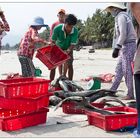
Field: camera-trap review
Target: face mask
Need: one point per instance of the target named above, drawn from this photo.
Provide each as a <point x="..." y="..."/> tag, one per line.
<point x="114" y="13"/>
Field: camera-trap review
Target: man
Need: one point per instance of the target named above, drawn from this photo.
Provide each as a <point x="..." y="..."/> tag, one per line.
<point x="27" y="47"/>
<point x="66" y="37"/>
<point x="61" y="17"/>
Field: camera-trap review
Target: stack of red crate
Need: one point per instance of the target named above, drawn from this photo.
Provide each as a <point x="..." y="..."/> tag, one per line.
<point x="23" y="102"/>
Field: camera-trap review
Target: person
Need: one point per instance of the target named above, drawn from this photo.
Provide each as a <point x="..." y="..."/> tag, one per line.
<point x="61" y="17"/>
<point x="4" y="26"/>
<point x="65" y="36"/>
<point x="124" y="43"/>
<point x="27" y="47"/>
<point x="135" y="9"/>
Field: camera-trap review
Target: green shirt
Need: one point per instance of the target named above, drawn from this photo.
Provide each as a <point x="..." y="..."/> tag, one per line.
<point x="62" y="40"/>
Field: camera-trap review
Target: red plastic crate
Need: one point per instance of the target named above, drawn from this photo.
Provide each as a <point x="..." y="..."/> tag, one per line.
<point x="115" y="121"/>
<point x="52" y="56"/>
<point x="23" y="87"/>
<point x="33" y="104"/>
<point x="70" y="107"/>
<point x="11" y="120"/>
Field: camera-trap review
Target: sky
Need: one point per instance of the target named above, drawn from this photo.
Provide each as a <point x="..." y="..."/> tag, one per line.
<point x="20" y="15"/>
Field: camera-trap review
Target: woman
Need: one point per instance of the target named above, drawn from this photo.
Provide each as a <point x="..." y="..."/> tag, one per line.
<point x="27" y="47"/>
<point x="124" y="47"/>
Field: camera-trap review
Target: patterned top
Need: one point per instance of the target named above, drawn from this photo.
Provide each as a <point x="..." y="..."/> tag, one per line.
<point x="4" y="26"/>
<point x="27" y="44"/>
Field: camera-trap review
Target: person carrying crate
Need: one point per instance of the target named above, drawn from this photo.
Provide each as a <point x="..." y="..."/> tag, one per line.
<point x="65" y="36"/>
<point x="61" y="18"/>
<point x="27" y="47"/>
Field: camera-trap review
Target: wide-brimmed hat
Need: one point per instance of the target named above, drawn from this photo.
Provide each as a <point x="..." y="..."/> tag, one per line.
<point x="38" y="21"/>
<point x="116" y="5"/>
<point x="61" y="11"/>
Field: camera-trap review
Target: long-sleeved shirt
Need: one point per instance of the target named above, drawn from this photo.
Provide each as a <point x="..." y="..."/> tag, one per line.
<point x="4" y="26"/>
<point x="27" y="44"/>
<point x="124" y="29"/>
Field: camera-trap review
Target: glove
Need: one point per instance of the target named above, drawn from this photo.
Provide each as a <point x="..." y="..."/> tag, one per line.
<point x="115" y="53"/>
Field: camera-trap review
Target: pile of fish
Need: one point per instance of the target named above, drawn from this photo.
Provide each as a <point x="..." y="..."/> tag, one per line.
<point x="71" y="92"/>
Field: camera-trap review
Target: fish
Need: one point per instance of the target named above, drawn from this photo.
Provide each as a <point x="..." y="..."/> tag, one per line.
<point x="53" y="100"/>
<point x="85" y="106"/>
<point x="66" y="84"/>
<point x="104" y="101"/>
<point x="63" y="85"/>
<point x="132" y="104"/>
<point x="85" y="93"/>
<point x="75" y="98"/>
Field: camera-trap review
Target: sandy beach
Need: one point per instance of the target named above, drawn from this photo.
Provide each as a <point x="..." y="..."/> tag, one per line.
<point x="85" y="64"/>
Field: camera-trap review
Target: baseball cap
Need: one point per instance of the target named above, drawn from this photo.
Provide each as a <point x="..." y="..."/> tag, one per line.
<point x="61" y="11"/>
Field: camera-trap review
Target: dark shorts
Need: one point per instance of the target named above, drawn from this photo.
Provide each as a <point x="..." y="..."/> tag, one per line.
<point x="27" y="66"/>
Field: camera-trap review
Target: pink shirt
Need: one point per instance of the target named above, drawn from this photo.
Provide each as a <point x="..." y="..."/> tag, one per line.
<point x="53" y="25"/>
<point x="27" y="44"/>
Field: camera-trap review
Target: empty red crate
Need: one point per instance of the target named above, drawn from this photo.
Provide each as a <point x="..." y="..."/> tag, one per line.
<point x="11" y="120"/>
<point x="52" y="56"/>
<point x="71" y="107"/>
<point x="23" y="87"/>
<point x="115" y="121"/>
<point x="25" y="104"/>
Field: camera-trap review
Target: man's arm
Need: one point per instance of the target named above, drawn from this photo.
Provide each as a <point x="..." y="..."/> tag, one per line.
<point x="54" y="36"/>
<point x="51" y="31"/>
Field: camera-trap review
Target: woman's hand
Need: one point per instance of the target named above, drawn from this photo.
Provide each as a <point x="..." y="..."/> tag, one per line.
<point x="45" y="43"/>
<point x="51" y="44"/>
<point x="68" y="51"/>
<point x="115" y="53"/>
